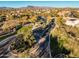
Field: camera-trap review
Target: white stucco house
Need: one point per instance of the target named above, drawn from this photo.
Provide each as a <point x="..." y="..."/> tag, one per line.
<point x="72" y="22"/>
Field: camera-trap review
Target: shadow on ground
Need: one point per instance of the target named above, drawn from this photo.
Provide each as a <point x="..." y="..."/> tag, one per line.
<point x="56" y="50"/>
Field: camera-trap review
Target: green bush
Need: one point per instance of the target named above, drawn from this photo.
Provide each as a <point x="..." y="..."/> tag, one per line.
<point x="2" y="18"/>
<point x="18" y="27"/>
<point x="24" y="40"/>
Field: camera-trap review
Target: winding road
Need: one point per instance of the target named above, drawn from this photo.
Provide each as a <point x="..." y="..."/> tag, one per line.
<point x="6" y="43"/>
<point x="40" y="49"/>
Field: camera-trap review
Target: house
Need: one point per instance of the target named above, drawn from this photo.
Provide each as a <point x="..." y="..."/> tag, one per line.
<point x="62" y="13"/>
<point x="72" y="22"/>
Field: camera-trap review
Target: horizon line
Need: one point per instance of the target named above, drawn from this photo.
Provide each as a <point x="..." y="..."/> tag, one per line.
<point x="36" y="6"/>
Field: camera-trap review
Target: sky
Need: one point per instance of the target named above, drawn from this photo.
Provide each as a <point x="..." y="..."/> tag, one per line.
<point x="17" y="4"/>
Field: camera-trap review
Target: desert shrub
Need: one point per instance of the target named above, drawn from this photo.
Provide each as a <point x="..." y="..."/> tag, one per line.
<point x="2" y="18"/>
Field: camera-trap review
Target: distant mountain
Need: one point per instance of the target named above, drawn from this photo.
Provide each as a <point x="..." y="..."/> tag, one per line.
<point x="30" y="6"/>
<point x="6" y="8"/>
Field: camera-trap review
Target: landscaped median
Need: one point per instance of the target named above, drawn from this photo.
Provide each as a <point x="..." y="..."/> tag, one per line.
<point x="7" y="35"/>
<point x="13" y="32"/>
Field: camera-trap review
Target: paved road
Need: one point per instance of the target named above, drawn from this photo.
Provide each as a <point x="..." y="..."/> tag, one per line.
<point x="5" y="45"/>
<point x="7" y="40"/>
<point x="42" y="48"/>
<point x="42" y="36"/>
